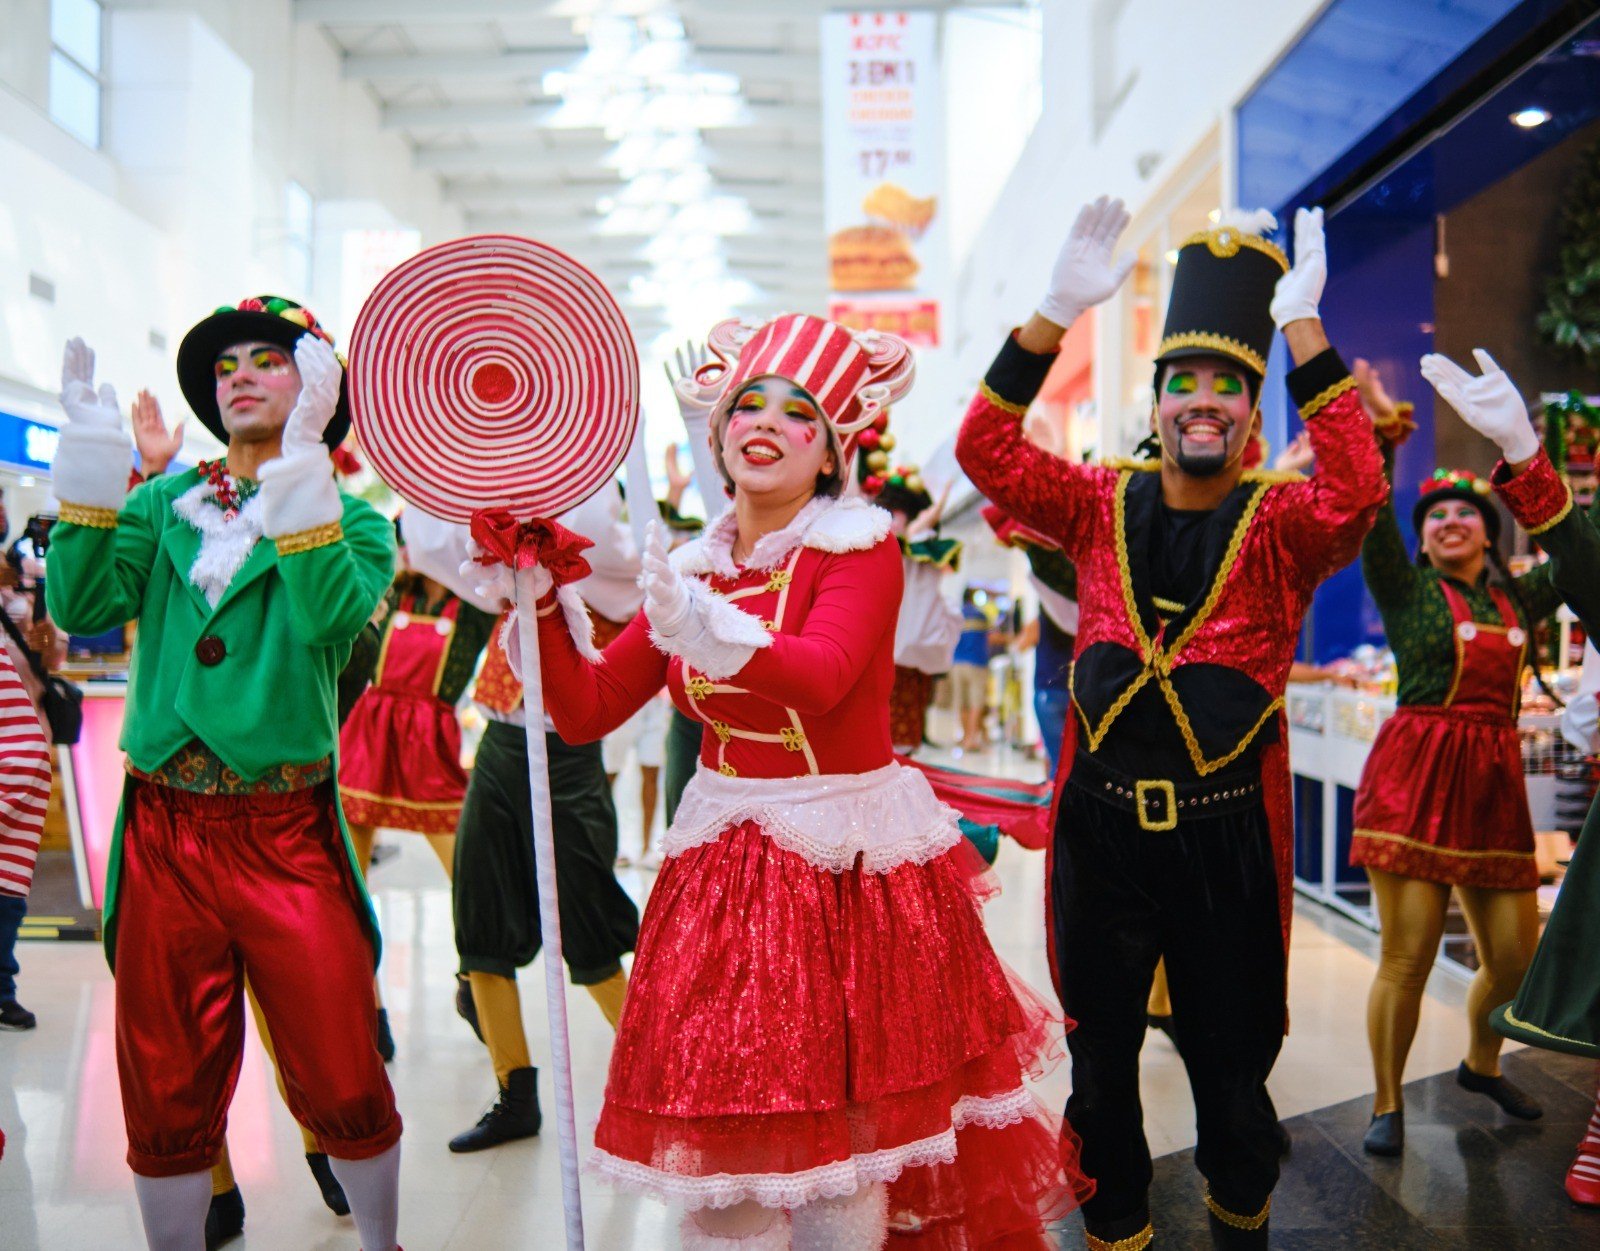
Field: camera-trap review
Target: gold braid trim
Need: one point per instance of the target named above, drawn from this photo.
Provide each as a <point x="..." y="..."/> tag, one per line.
<point x="1225" y="241"/>
<point x="1272" y="477"/>
<point x="1158" y="662"/>
<point x="1542" y="1033"/>
<point x="1128" y="465"/>
<point x="307" y="540"/>
<point x="1387" y="837"/>
<point x="1233" y="1218"/>
<point x="1322" y="399"/>
<point x="1538" y="529"/>
<point x="1138" y="1242"/>
<point x="93" y="518"/>
<point x="1221" y="343"/>
<point x="1005" y="406"/>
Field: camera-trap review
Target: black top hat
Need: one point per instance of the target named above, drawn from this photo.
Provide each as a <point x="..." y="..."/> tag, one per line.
<point x="1222" y="297"/>
<point x="261" y="319"/>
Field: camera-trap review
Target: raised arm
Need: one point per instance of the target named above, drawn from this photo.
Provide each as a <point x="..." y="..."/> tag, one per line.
<point x="1391" y="575"/>
<point x="1330" y="513"/>
<point x="103" y="550"/>
<point x="1525" y="479"/>
<point x="1038" y="489"/>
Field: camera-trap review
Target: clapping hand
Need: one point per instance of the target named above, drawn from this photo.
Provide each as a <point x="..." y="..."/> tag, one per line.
<point x="1087" y="271"/>
<point x="1489" y="403"/>
<point x="666" y="599"/>
<point x="694" y="401"/>
<point x="320" y="375"/>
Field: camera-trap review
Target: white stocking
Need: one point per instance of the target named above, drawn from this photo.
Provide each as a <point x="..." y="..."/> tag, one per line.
<point x="173" y="1210"/>
<point x="858" y="1222"/>
<point x="373" y="1188"/>
<point x="737" y="1235"/>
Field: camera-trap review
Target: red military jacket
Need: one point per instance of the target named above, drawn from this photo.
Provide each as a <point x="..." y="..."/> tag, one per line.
<point x="1221" y="663"/>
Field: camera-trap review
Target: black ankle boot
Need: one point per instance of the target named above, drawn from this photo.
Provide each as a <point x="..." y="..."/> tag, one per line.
<point x="1512" y="1099"/>
<point x="466" y="1005"/>
<point x="515" y="1114"/>
<point x="332" y="1191"/>
<point x="224" y="1219"/>
<point x="385" y="1038"/>
<point x="1386" y="1135"/>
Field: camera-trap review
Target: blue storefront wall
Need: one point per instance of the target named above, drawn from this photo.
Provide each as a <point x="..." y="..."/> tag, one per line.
<point x="1397" y="156"/>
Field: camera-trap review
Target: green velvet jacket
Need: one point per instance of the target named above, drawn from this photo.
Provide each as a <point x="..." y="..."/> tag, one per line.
<point x="285" y="626"/>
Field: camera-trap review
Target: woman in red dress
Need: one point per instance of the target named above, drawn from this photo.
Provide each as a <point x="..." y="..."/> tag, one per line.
<point x="819" y="1048"/>
<point x="1442" y="804"/>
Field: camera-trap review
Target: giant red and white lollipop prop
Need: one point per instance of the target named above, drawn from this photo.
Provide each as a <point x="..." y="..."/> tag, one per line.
<point x="493" y="380"/>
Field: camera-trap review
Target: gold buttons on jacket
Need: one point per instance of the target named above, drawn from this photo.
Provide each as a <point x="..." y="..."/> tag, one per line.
<point x="793" y="739"/>
<point x="698" y="687"/>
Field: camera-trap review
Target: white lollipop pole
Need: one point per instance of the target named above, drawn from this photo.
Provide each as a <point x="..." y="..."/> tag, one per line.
<point x="544" y="860"/>
<point x="641" y="498"/>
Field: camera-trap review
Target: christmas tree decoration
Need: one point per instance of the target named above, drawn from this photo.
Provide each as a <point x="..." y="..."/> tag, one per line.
<point x="1570" y="321"/>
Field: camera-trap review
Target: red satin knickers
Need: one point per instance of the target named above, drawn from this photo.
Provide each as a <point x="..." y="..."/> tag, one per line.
<point x="216" y="889"/>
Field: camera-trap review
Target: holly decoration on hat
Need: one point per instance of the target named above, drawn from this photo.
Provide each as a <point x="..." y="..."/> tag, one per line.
<point x="872" y="484"/>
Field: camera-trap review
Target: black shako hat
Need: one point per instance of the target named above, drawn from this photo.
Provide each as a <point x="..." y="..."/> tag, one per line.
<point x="260" y="319"/>
<point x="1221" y="300"/>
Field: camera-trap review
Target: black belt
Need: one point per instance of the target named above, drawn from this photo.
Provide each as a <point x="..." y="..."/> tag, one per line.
<point x="1161" y="803"/>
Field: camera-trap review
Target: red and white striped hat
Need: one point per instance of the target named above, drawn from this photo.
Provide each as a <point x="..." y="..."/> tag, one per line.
<point x="850" y="375"/>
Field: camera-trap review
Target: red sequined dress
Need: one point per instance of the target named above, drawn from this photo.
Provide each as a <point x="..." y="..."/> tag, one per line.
<point x="814" y="1005"/>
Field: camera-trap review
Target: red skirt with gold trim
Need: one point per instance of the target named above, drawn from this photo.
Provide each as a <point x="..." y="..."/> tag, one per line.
<point x="400" y="763"/>
<point x="1442" y="798"/>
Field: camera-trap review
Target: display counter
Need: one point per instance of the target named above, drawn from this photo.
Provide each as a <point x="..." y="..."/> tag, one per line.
<point x="1331" y="730"/>
<point x="92" y="773"/>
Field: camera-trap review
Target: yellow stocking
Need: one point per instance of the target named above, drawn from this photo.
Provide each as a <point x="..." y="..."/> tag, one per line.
<point x="609" y="995"/>
<point x="500" y="1018"/>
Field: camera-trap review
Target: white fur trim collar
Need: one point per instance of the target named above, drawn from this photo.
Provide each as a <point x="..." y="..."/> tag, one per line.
<point x="826" y="524"/>
<point x="225" y="542"/>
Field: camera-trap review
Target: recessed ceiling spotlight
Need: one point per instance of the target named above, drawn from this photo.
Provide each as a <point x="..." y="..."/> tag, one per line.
<point x="1530" y="117"/>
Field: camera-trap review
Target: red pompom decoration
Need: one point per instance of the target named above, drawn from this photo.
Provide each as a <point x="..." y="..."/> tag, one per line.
<point x="252" y="305"/>
<point x="872" y="484"/>
<point x="868" y="439"/>
<point x="880" y="423"/>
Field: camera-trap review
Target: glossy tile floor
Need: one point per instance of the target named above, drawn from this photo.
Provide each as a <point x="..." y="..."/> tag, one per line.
<point x="64" y="1186"/>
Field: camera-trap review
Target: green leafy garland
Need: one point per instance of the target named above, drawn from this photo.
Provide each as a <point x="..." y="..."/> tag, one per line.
<point x="1570" y="321"/>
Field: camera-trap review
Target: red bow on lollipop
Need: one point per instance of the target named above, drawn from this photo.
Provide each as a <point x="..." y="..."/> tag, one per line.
<point x="523" y="544"/>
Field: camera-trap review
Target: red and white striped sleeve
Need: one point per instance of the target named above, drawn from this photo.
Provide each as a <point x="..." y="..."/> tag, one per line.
<point x="24" y="781"/>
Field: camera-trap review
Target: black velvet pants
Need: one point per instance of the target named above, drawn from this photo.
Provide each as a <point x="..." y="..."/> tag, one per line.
<point x="1204" y="896"/>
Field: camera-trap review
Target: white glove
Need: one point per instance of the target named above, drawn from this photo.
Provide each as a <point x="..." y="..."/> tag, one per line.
<point x="1085" y="273"/>
<point x="320" y="374"/>
<point x="86" y="408"/>
<point x="1488" y="403"/>
<point x="95" y="457"/>
<point x="1300" y="290"/>
<point x="666" y="598"/>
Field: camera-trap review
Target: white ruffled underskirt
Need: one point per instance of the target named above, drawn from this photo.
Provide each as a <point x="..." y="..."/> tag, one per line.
<point x="887" y="817"/>
<point x="827" y="1181"/>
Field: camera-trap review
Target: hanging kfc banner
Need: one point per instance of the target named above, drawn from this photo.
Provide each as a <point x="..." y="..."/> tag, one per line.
<point x="883" y="156"/>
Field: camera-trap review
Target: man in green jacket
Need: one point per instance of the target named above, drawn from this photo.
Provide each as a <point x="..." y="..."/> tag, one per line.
<point x="249" y="578"/>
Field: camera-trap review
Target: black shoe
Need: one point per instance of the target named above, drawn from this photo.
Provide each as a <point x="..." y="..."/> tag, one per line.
<point x="1512" y="1100"/>
<point x="224" y="1219"/>
<point x="466" y="1005"/>
<point x="385" y="1038"/>
<point x="332" y="1191"/>
<point x="515" y="1114"/>
<point x="1386" y="1135"/>
<point x="14" y="1016"/>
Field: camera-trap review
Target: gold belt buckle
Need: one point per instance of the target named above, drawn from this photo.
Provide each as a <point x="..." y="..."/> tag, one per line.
<point x="1144" y="791"/>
